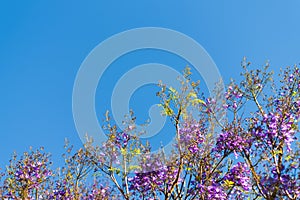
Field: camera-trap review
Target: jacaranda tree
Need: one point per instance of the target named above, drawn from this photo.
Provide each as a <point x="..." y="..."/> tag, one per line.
<point x="241" y="143"/>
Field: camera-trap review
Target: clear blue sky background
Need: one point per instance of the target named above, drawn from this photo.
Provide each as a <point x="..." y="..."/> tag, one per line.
<point x="42" y="44"/>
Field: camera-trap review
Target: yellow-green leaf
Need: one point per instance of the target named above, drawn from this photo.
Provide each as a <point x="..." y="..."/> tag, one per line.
<point x="123" y="151"/>
<point x="276" y="152"/>
<point x="288" y="158"/>
<point x="197" y="101"/>
<point x="172" y="90"/>
<point x="137" y="151"/>
<point x="169" y="112"/>
<point x="133" y="167"/>
<point x="228" y="183"/>
<point x="192" y="94"/>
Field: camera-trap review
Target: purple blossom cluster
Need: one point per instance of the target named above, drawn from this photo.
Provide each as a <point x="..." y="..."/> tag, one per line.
<point x="233" y="97"/>
<point x="155" y="174"/>
<point x="232" y="141"/>
<point x="288" y="185"/>
<point x="27" y="175"/>
<point x="32" y="173"/>
<point x="211" y="190"/>
<point x="215" y="192"/>
<point x="275" y="127"/>
<point x="144" y="183"/>
<point x="98" y="192"/>
<point x="191" y="135"/>
<point x="61" y="191"/>
<point x="233" y="92"/>
<point x="111" y="148"/>
<point x="239" y="174"/>
<point x="122" y="139"/>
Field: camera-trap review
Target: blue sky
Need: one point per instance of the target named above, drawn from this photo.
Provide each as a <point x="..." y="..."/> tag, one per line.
<point x="43" y="43"/>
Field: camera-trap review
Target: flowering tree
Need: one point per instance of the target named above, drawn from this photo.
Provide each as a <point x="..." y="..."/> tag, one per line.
<point x="27" y="177"/>
<point x="237" y="144"/>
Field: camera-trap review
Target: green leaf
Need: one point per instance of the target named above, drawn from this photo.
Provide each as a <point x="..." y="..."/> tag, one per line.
<point x="288" y="157"/>
<point x="134" y="167"/>
<point x="197" y="101"/>
<point x="123" y="151"/>
<point x="276" y="152"/>
<point x="113" y="169"/>
<point x="169" y="112"/>
<point x="137" y="151"/>
<point x="228" y="183"/>
<point x="172" y="90"/>
<point x="192" y="94"/>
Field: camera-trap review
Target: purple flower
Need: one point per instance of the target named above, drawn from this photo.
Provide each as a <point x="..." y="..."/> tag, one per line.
<point x="240" y="176"/>
<point x="192" y="135"/>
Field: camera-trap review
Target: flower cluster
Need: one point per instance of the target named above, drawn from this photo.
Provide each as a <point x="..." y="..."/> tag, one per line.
<point x="191" y="135"/>
<point x="233" y="92"/>
<point x="32" y="173"/>
<point x="232" y="141"/>
<point x="233" y="97"/>
<point x="275" y="127"/>
<point x="100" y="192"/>
<point x="149" y="181"/>
<point x="28" y="175"/>
<point x="239" y="175"/>
<point x="213" y="191"/>
<point x="122" y="139"/>
<point x="154" y="174"/>
<point x="62" y="191"/>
